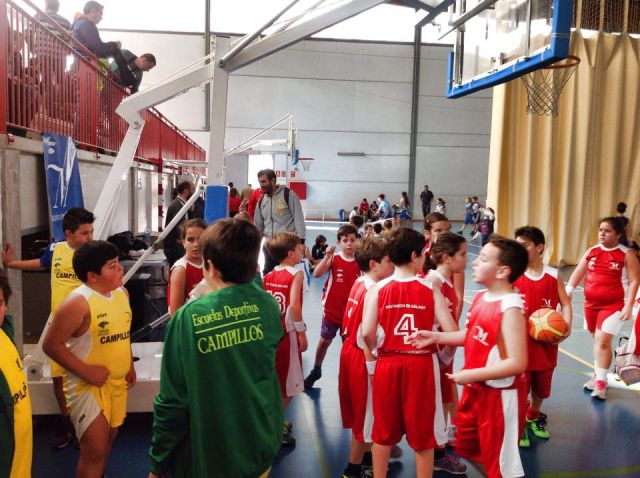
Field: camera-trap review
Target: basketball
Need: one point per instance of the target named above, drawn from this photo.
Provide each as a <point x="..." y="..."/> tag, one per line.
<point x="547" y="326"/>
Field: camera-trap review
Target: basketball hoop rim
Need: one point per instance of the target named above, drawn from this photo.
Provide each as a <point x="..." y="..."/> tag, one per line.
<point x="571" y="61"/>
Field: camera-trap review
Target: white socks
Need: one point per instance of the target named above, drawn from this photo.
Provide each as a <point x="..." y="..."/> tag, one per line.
<point x="601" y="374"/>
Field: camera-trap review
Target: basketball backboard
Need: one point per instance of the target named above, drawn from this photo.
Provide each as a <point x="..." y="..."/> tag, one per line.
<point x="505" y="40"/>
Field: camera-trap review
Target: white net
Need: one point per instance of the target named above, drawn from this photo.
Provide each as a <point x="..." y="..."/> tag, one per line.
<point x="545" y="85"/>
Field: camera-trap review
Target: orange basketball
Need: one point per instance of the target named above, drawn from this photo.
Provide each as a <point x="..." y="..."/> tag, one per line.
<point x="547" y="326"/>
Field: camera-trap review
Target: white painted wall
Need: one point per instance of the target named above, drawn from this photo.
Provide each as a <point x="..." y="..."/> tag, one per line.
<point x="345" y="96"/>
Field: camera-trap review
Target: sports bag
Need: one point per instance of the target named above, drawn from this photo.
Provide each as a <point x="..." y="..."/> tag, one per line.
<point x="627" y="363"/>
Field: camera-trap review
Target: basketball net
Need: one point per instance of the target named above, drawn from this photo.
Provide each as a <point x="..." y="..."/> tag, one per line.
<point x="545" y="85"/>
<point x="306" y="163"/>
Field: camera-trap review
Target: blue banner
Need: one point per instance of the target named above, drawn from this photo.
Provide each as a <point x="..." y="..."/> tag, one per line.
<point x="63" y="179"/>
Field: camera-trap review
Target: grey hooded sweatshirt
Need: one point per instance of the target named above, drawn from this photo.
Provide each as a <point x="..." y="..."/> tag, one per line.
<point x="273" y="214"/>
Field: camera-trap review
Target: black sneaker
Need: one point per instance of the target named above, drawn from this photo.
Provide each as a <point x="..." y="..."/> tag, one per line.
<point x="543" y="418"/>
<point x="288" y="426"/>
<point x="352" y="471"/>
<point x="288" y="439"/>
<point x="312" y="378"/>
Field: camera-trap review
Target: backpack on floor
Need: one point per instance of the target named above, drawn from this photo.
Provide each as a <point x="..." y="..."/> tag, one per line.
<point x="627" y="363"/>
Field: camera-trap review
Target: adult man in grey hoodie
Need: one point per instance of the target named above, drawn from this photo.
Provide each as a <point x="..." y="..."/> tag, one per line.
<point x="278" y="210"/>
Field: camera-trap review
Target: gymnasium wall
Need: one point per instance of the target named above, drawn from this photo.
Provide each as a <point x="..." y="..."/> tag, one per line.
<point x="345" y="97"/>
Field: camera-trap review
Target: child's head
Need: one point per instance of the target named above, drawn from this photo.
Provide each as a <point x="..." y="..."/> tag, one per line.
<point x="532" y="239"/>
<point x="377" y="228"/>
<point x="96" y="264"/>
<point x="347" y="236"/>
<point x="474" y="198"/>
<point x="285" y="245"/>
<point x="191" y="231"/>
<point x="441" y="201"/>
<point x="500" y="260"/>
<point x="77" y="225"/>
<point x="231" y="247"/>
<point x="621" y="208"/>
<point x="357" y="221"/>
<point x="381" y="197"/>
<point x="450" y="249"/>
<point x="387" y="224"/>
<point x="435" y="224"/>
<point x="610" y="231"/>
<point x="320" y="240"/>
<point x="5" y="294"/>
<point x="372" y="255"/>
<point x="242" y="216"/>
<point x="368" y="230"/>
<point x="405" y="246"/>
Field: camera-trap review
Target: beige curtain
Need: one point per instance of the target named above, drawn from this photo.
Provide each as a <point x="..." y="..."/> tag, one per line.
<point x="563" y="173"/>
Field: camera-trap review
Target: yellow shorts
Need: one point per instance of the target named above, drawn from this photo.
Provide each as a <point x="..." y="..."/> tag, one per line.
<point x="56" y="369"/>
<point x="89" y="401"/>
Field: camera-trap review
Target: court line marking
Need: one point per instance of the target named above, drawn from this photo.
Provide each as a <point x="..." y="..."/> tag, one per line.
<point x="578" y="474"/>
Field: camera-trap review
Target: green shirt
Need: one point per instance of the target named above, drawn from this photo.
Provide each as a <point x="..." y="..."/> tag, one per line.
<point x="219" y="411"/>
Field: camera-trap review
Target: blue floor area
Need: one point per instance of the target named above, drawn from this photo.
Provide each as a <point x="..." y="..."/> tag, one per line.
<point x="588" y="438"/>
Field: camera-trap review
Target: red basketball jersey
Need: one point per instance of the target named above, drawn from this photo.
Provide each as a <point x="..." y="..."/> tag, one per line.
<point x="483" y="328"/>
<point x="603" y="284"/>
<point x="342" y="275"/>
<point x="194" y="276"/>
<point x="278" y="283"/>
<point x="404" y="307"/>
<point x="448" y="291"/>
<point x="538" y="292"/>
<point x="355" y="305"/>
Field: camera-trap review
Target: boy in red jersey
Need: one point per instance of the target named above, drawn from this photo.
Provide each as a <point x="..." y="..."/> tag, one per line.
<point x="540" y="286"/>
<point x="495" y="352"/>
<point x="354" y="386"/>
<point x="343" y="272"/>
<point x="284" y="283"/>
<point x="606" y="303"/>
<point x="406" y="382"/>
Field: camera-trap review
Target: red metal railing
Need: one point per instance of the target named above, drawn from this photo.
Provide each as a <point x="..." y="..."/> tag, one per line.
<point x="55" y="84"/>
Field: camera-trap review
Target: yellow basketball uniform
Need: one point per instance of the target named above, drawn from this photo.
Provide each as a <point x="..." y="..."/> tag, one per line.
<point x="11" y="367"/>
<point x="63" y="281"/>
<point x="106" y="342"/>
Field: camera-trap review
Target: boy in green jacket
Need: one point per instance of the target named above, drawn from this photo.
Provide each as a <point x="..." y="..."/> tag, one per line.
<point x="219" y="411"/>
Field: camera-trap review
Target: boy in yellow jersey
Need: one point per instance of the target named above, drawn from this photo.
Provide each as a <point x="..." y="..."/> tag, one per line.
<point x="95" y="322"/>
<point x="78" y="229"/>
<point x="16" y="436"/>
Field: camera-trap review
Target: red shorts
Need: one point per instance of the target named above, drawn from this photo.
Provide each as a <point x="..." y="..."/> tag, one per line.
<point x="407" y="400"/>
<point x="446" y="385"/>
<point x="354" y="389"/>
<point x="539" y="382"/>
<point x="489" y="425"/>
<point x="285" y="370"/>
<point x="595" y="316"/>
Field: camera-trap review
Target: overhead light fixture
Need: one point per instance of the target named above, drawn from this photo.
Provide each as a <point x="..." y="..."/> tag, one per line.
<point x="350" y="153"/>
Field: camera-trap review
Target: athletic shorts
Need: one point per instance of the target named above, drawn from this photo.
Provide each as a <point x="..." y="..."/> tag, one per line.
<point x="540" y="382"/>
<point x="89" y="401"/>
<point x="407" y="400"/>
<point x="605" y="318"/>
<point x="329" y="329"/>
<point x="56" y="369"/>
<point x="289" y="366"/>
<point x="489" y="425"/>
<point x="446" y="385"/>
<point x="354" y="388"/>
<point x="468" y="219"/>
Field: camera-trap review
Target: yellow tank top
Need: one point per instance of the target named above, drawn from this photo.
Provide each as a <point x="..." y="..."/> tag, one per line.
<point x="106" y="342"/>
<point x="63" y="277"/>
<point x="11" y="368"/>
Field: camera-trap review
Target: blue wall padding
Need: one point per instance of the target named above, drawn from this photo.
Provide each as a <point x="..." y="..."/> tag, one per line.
<point x="216" y="205"/>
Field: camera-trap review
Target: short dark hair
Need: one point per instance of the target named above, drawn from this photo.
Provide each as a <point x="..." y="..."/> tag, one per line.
<point x="357" y="221"/>
<point x="269" y="173"/>
<point x="381" y="196"/>
<point x="280" y="245"/>
<point x="320" y="239"/>
<point x="621" y="208"/>
<point x="370" y="249"/>
<point x="183" y="186"/>
<point x="149" y="57"/>
<point x="615" y="222"/>
<point x="511" y="254"/>
<point x="432" y="218"/>
<point x="233" y="248"/>
<point x="448" y="243"/>
<point x="532" y="233"/>
<point x="4" y="286"/>
<point x="377" y="228"/>
<point x="91" y="256"/>
<point x="196" y="222"/>
<point x="92" y="5"/>
<point x="404" y="241"/>
<point x="346" y="230"/>
<point x="76" y="217"/>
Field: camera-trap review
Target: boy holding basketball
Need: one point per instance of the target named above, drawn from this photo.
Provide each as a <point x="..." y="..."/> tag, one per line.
<point x="495" y="361"/>
<point x="540" y="287"/>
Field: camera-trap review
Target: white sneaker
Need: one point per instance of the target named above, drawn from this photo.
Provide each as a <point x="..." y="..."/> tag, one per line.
<point x="590" y="384"/>
<point x="600" y="390"/>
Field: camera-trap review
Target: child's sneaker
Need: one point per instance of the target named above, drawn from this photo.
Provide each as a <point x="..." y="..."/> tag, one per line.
<point x="312" y="378"/>
<point x="288" y="426"/>
<point x="600" y="390"/>
<point x="451" y="435"/>
<point x="287" y="438"/>
<point x="367" y="471"/>
<point x="352" y="471"/>
<point x="524" y="440"/>
<point x="543" y="418"/>
<point x="538" y="429"/>
<point x="450" y="464"/>
<point x="590" y="384"/>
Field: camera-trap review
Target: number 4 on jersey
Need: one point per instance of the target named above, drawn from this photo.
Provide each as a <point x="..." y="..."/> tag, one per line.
<point x="405" y="327"/>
